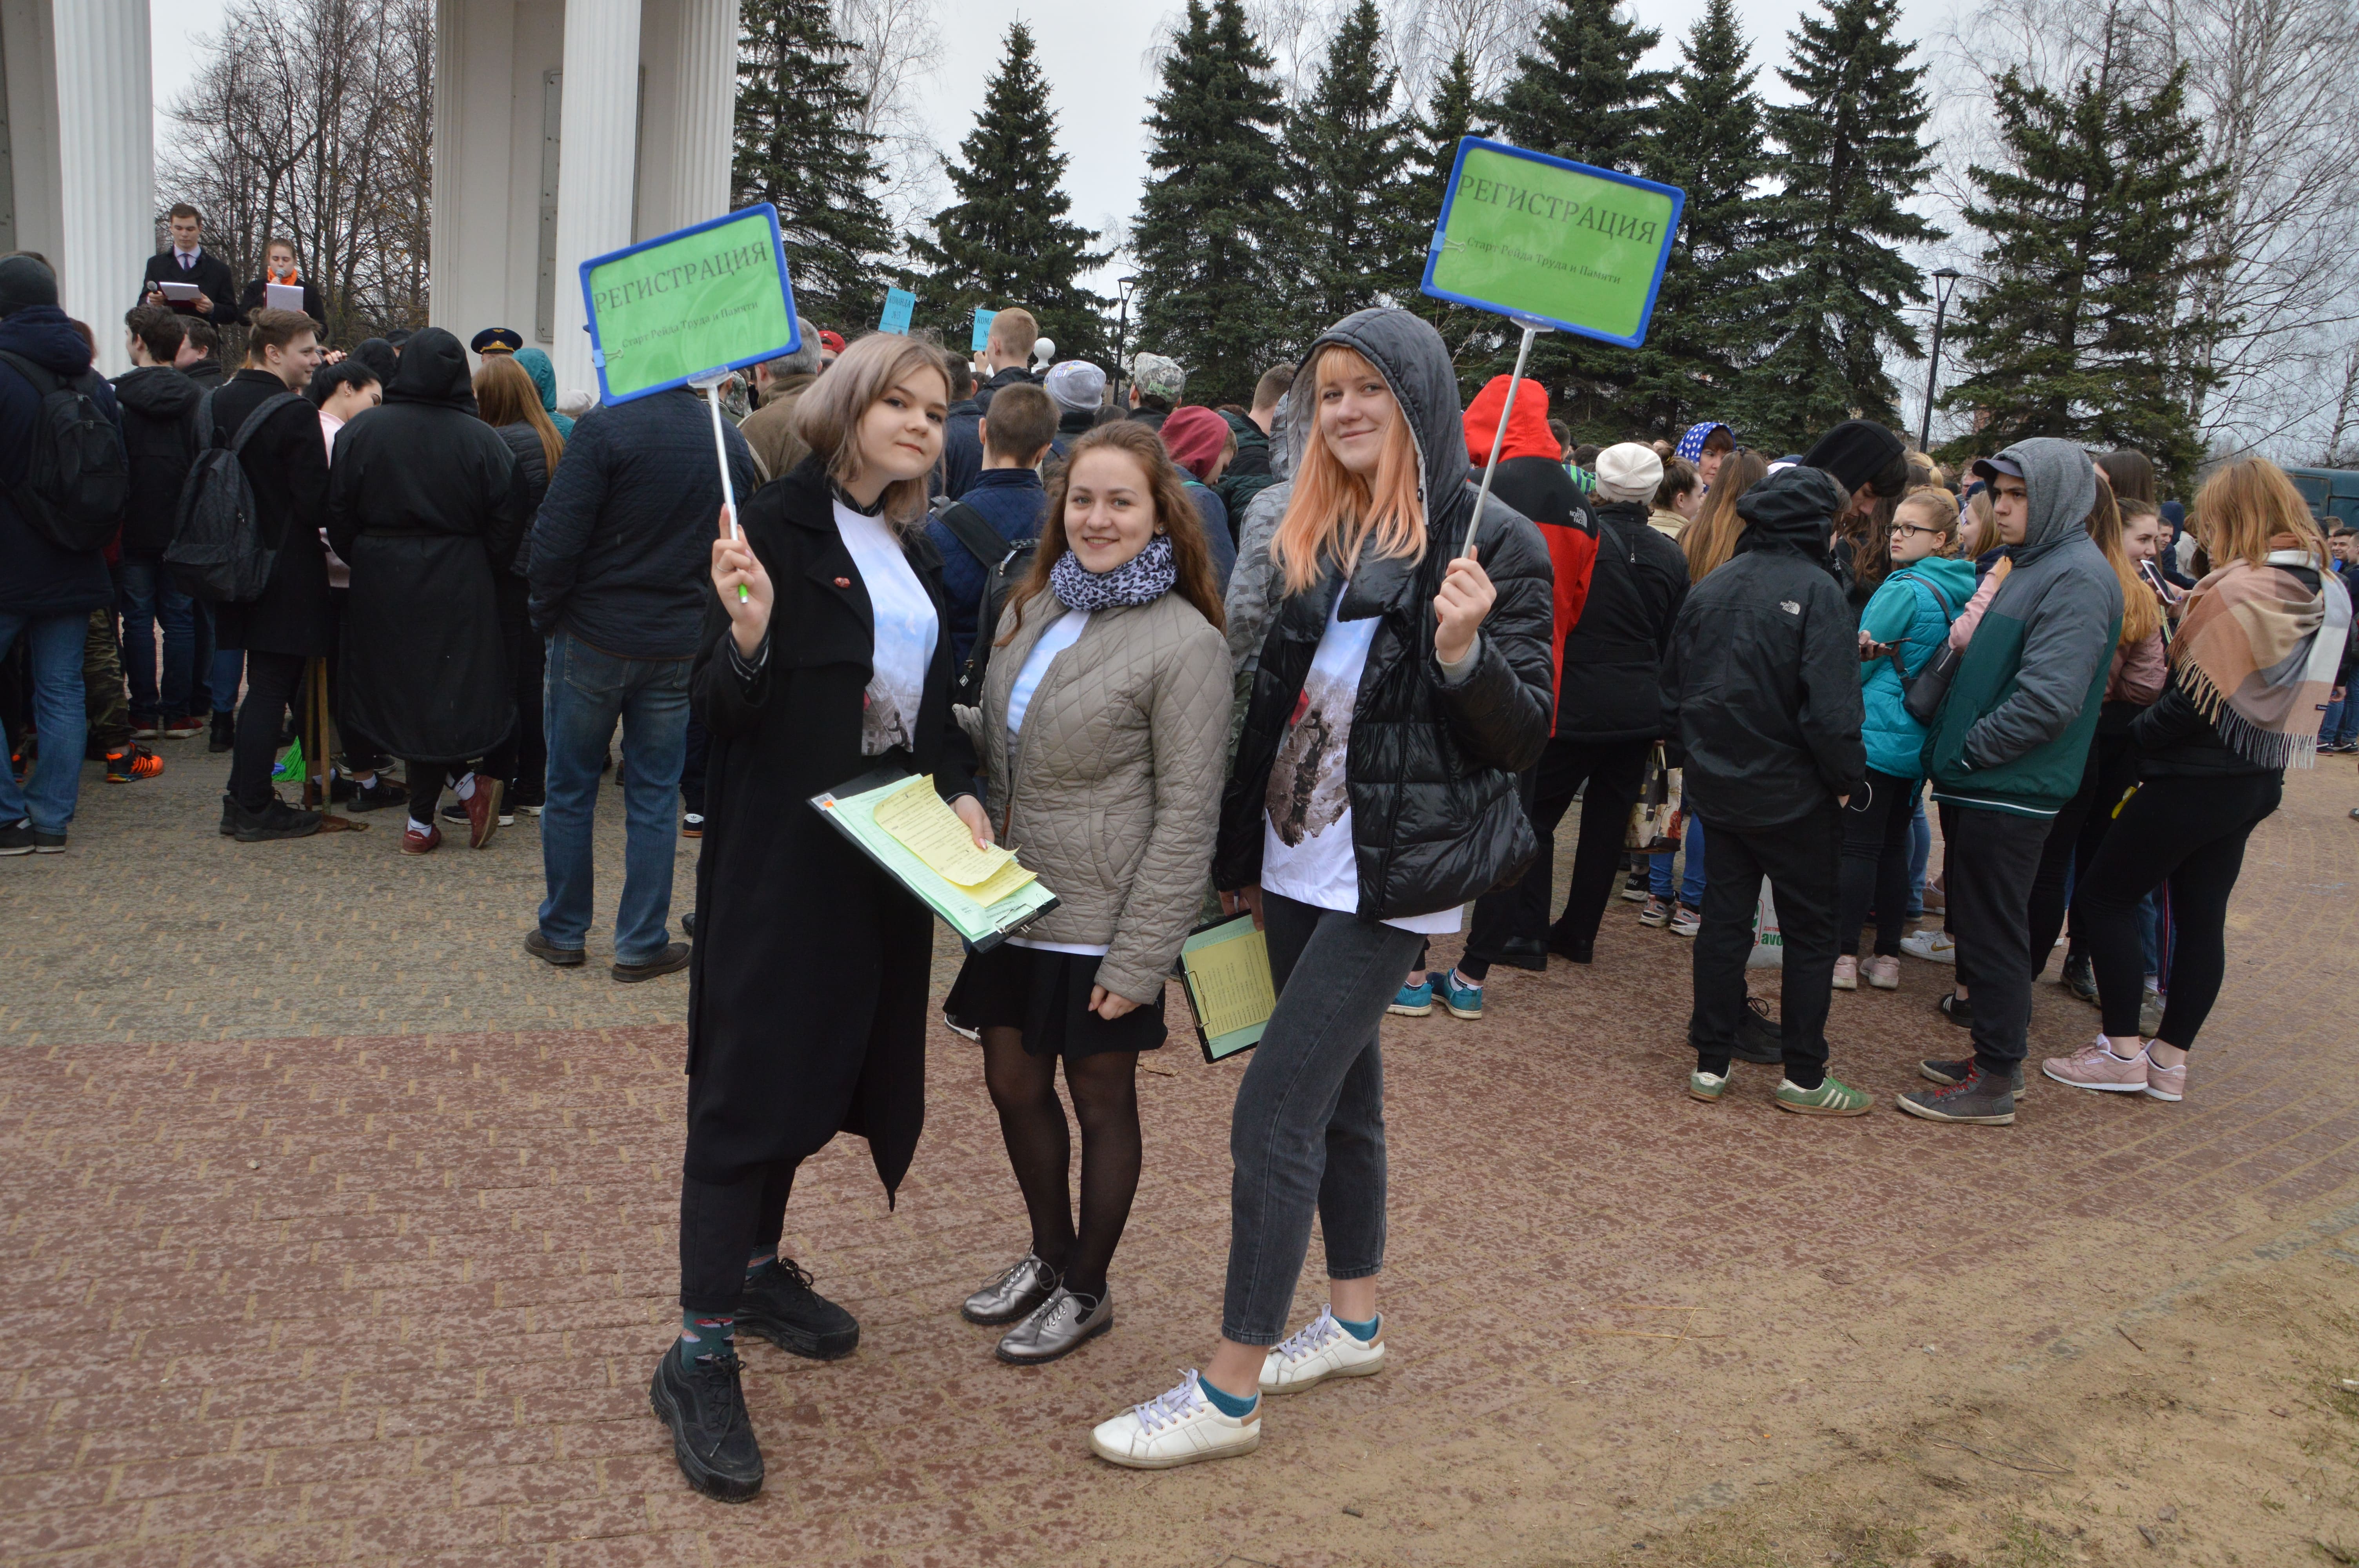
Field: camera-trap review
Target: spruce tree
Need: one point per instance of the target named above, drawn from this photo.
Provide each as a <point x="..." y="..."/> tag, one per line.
<point x="1579" y="94"/>
<point x="1212" y="208"/>
<point x="1454" y="111"/>
<point x="1352" y="240"/>
<point x="1848" y="155"/>
<point x="798" y="146"/>
<point x="1706" y="314"/>
<point x="1007" y="241"/>
<point x="2079" y="333"/>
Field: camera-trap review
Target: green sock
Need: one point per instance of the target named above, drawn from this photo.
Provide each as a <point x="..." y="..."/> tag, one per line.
<point x="701" y="1334"/>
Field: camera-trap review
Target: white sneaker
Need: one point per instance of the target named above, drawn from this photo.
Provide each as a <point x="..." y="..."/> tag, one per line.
<point x="1325" y="1350"/>
<point x="1176" y="1428"/>
<point x="1933" y="946"/>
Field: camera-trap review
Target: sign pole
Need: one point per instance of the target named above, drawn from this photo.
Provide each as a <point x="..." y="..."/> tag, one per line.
<point x="1499" y="437"/>
<point x="712" y="390"/>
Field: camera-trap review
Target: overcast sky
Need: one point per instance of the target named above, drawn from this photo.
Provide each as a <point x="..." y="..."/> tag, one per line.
<point x="1092" y="54"/>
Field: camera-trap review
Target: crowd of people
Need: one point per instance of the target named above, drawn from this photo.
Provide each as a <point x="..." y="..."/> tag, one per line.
<point x="1344" y="657"/>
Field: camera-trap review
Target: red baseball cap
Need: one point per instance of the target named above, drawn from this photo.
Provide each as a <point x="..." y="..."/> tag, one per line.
<point x="832" y="341"/>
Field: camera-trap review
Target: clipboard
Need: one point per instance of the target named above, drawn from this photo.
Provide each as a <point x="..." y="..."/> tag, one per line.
<point x="284" y="296"/>
<point x="178" y="293"/>
<point x="849" y="808"/>
<point x="1225" y="966"/>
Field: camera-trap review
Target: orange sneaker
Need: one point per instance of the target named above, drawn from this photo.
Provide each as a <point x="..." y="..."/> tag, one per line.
<point x="134" y="761"/>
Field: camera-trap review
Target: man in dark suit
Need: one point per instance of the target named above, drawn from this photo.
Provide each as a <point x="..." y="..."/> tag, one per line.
<point x="187" y="261"/>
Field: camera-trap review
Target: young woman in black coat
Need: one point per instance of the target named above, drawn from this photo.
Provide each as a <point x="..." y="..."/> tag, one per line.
<point x="834" y="663"/>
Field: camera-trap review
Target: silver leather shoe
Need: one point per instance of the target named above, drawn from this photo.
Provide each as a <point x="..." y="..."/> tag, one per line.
<point x="1058" y="1326"/>
<point x="1013" y="1293"/>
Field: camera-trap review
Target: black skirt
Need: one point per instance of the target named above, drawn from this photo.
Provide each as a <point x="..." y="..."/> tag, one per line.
<point x="1047" y="996"/>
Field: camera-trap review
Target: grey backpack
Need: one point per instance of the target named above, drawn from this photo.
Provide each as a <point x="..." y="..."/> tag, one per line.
<point x="217" y="552"/>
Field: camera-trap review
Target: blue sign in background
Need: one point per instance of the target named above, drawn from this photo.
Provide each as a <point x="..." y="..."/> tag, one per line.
<point x="899" y="306"/>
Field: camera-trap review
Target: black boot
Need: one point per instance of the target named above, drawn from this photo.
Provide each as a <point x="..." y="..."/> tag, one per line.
<point x="277" y="820"/>
<point x="781" y="1307"/>
<point x="1758" y="1038"/>
<point x="224" y="734"/>
<point x="704" y="1402"/>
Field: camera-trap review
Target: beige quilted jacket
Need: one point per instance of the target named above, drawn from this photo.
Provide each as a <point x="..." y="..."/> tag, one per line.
<point x="1120" y="765"/>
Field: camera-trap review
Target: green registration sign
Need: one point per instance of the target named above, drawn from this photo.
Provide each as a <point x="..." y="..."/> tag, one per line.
<point x="689" y="305"/>
<point x="1551" y="242"/>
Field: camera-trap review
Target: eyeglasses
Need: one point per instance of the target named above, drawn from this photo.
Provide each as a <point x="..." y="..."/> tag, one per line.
<point x="1915" y="528"/>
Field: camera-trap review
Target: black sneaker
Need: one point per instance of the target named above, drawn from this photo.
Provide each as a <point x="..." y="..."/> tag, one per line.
<point x="1758" y="1040"/>
<point x="2081" y="979"/>
<point x="704" y="1402"/>
<point x="1957" y="1010"/>
<point x="224" y="734"/>
<point x="1565" y="945"/>
<point x="277" y="820"/>
<point x="780" y="1306"/>
<point x="1975" y="1099"/>
<point x="46" y="843"/>
<point x="378" y="795"/>
<point x="456" y="811"/>
<point x="1945" y="1073"/>
<point x="670" y="961"/>
<point x="229" y="817"/>
<point x="16" y="838"/>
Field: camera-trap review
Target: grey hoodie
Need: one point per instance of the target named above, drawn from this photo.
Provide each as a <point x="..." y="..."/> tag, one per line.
<point x="2013" y="734"/>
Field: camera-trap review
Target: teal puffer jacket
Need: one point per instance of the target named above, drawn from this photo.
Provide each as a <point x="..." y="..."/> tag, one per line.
<point x="1908" y="611"/>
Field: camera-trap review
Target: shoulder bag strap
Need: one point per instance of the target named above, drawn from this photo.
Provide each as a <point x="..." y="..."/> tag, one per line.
<point x="981" y="539"/>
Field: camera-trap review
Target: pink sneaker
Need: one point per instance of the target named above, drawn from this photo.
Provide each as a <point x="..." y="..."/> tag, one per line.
<point x="2094" y="1066"/>
<point x="1884" y="972"/>
<point x="2165" y="1083"/>
<point x="1847" y="973"/>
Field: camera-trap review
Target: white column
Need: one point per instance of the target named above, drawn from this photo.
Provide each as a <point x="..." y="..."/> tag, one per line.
<point x="443" y="259"/>
<point x="106" y="164"/>
<point x="600" y="162"/>
<point x="704" y="135"/>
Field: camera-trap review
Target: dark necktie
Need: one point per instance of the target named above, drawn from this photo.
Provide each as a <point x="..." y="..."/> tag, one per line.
<point x="188" y="264"/>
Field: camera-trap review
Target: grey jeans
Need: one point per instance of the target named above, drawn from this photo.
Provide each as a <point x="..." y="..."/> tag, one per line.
<point x="1309" y="1132"/>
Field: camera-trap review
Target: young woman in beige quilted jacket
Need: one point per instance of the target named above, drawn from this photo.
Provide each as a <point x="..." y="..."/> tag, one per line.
<point x="1102" y="729"/>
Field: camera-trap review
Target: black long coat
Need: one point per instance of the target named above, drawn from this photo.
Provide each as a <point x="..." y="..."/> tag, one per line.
<point x="287" y="465"/>
<point x="426" y="503"/>
<point x="777" y="1068"/>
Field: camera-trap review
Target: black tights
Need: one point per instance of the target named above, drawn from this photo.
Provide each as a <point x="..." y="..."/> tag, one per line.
<point x="2187" y="830"/>
<point x="1105" y="1087"/>
<point x="1876" y="861"/>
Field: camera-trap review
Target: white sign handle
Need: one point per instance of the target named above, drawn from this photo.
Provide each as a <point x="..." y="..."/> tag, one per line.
<point x="1499" y="437"/>
<point x="720" y="455"/>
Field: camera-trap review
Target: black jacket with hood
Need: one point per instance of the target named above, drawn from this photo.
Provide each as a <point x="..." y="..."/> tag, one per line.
<point x="1429" y="767"/>
<point x="1761" y="685"/>
<point x="38" y="577"/>
<point x="426" y="503"/>
<point x="287" y="464"/>
<point x="159" y="437"/>
<point x="1613" y="651"/>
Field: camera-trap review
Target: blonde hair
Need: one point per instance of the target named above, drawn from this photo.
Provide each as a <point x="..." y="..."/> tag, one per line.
<point x="2245" y="509"/>
<point x="1940" y="507"/>
<point x="2141" y="614"/>
<point x="1335" y="513"/>
<point x="1711" y="540"/>
<point x="1983" y="513"/>
<point x="827" y="414"/>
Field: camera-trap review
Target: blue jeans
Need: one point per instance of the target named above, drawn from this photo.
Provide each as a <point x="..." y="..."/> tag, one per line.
<point x="584" y="692"/>
<point x="54" y="645"/>
<point x="1920" y="851"/>
<point x="2340" y="725"/>
<point x="145" y="594"/>
<point x="1659" y="873"/>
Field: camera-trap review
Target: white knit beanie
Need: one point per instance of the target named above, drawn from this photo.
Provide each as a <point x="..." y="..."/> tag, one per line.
<point x="1628" y="471"/>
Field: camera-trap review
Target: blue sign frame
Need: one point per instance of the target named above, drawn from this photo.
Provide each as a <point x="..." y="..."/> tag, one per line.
<point x="785" y="288"/>
<point x="1442" y="226"/>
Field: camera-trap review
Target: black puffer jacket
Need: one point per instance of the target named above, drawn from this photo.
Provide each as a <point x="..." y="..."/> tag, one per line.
<point x="2175" y="738"/>
<point x="1761" y="687"/>
<point x="159" y="436"/>
<point x="1614" y="650"/>
<point x="1429" y="768"/>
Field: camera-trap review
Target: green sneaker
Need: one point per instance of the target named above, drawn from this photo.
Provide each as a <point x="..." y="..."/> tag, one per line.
<point x="1832" y="1098"/>
<point x="1707" y="1087"/>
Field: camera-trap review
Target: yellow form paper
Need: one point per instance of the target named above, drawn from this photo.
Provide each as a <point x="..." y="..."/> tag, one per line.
<point x="1229" y="982"/>
<point x="923" y="824"/>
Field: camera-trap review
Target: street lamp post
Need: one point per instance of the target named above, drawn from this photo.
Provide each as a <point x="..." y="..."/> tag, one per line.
<point x="1122" y="334"/>
<point x="1944" y="280"/>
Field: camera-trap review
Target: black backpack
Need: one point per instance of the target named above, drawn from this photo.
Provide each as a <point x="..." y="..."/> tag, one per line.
<point x="217" y="553"/>
<point x="1003" y="565"/>
<point x="77" y="477"/>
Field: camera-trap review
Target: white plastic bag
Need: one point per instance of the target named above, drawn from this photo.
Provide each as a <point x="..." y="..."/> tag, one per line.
<point x="1768" y="944"/>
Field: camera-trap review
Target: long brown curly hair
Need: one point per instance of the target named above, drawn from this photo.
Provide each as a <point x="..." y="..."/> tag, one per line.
<point x="1175" y="514"/>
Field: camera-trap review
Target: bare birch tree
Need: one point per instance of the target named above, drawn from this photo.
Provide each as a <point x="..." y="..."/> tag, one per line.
<point x="894" y="50"/>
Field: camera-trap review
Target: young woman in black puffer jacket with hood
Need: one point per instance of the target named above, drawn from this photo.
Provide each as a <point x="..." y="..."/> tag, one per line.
<point x="1400" y="692"/>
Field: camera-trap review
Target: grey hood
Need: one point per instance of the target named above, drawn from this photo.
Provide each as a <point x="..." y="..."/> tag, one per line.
<point x="1415" y="362"/>
<point x="2061" y="485"/>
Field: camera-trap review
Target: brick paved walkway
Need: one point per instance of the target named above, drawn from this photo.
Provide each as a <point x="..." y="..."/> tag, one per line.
<point x="339" y="1232"/>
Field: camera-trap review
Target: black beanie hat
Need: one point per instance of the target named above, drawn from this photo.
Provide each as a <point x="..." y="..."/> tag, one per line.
<point x="1855" y="451"/>
<point x="24" y="281"/>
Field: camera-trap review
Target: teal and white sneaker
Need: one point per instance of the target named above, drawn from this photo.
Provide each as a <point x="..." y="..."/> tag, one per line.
<point x="1463" y="1000"/>
<point x="1413" y="1001"/>
<point x="1707" y="1087"/>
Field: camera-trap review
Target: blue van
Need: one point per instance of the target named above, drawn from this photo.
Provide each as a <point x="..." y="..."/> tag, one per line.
<point x="2333" y="493"/>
